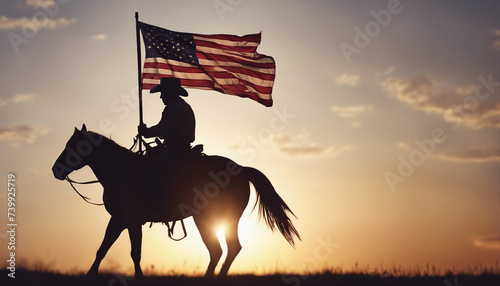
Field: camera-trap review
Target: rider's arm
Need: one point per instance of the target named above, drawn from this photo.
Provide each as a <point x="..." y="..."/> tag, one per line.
<point x="165" y="127"/>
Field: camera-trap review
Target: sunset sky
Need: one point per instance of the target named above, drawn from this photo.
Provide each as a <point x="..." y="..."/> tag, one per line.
<point x="386" y="147"/>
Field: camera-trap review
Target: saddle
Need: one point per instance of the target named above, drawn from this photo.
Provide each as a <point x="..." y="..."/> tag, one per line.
<point x="159" y="148"/>
<point x="184" y="163"/>
<point x="176" y="164"/>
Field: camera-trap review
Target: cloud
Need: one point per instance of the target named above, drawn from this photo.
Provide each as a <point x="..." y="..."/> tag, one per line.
<point x="17" y="98"/>
<point x="351" y="111"/>
<point x="34" y="24"/>
<point x="287" y="138"/>
<point x="311" y="150"/>
<point x="491" y="241"/>
<point x="98" y="37"/>
<point x="347" y="79"/>
<point x="300" y="146"/>
<point x="22" y="133"/>
<point x="476" y="155"/>
<point x="460" y="104"/>
<point x="292" y="145"/>
<point x="404" y="146"/>
<point x="388" y="71"/>
<point x="495" y="33"/>
<point x="40" y="3"/>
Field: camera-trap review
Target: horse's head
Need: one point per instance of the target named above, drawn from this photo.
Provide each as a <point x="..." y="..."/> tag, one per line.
<point x="78" y="152"/>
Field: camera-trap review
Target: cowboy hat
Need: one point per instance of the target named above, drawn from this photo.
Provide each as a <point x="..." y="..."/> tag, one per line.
<point x="171" y="85"/>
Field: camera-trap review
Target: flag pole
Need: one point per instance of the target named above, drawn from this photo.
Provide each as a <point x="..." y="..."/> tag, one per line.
<point x="137" y="32"/>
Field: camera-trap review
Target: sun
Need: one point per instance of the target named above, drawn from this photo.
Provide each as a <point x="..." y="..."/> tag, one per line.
<point x="220" y="234"/>
<point x="221" y="230"/>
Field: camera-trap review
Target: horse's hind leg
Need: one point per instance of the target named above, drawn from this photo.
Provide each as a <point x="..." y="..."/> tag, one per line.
<point x="209" y="236"/>
<point x="233" y="247"/>
<point x="113" y="231"/>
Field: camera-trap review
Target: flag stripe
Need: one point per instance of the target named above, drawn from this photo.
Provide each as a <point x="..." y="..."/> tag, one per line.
<point x="242" y="78"/>
<point x="204" y="62"/>
<point x="207" y="74"/>
<point x="160" y="63"/>
<point x="225" y="63"/>
<point x="239" y="48"/>
<point x="223" y="78"/>
<point x="190" y="80"/>
<point x="230" y="40"/>
<point x="225" y="57"/>
<point x="209" y="85"/>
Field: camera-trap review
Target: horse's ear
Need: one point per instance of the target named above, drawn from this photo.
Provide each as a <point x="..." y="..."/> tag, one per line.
<point x="84" y="128"/>
<point x="76" y="130"/>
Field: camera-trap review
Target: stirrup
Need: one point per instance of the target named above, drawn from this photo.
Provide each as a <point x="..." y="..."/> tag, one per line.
<point x="171" y="230"/>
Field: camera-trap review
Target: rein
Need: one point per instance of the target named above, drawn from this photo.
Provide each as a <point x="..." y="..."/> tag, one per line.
<point x="86" y="199"/>
<point x="137" y="140"/>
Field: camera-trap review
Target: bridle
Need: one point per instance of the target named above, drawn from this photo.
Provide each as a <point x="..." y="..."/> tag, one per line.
<point x="88" y="200"/>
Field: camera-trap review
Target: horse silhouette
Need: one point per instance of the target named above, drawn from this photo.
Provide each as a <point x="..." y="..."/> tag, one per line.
<point x="211" y="189"/>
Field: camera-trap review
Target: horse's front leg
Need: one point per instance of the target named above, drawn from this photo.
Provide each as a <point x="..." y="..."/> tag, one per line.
<point x="135" y="233"/>
<point x="113" y="231"/>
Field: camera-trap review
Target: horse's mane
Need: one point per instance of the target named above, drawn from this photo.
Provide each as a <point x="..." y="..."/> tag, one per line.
<point x="109" y="143"/>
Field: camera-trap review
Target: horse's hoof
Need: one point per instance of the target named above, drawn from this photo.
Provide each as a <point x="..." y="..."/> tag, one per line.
<point x="91" y="273"/>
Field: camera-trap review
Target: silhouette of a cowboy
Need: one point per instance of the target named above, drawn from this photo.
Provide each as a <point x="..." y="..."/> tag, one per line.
<point x="177" y="124"/>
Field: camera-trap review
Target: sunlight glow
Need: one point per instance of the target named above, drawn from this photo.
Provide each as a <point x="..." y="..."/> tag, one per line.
<point x="338" y="146"/>
<point x="220" y="235"/>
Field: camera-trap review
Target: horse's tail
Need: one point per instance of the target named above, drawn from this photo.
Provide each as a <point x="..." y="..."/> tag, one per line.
<point x="271" y="206"/>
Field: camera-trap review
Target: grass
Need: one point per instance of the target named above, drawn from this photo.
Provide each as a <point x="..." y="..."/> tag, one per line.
<point x="38" y="274"/>
<point x="416" y="271"/>
<point x="25" y="277"/>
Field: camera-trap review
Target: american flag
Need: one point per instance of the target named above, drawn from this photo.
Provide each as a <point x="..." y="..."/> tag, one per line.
<point x="225" y="63"/>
